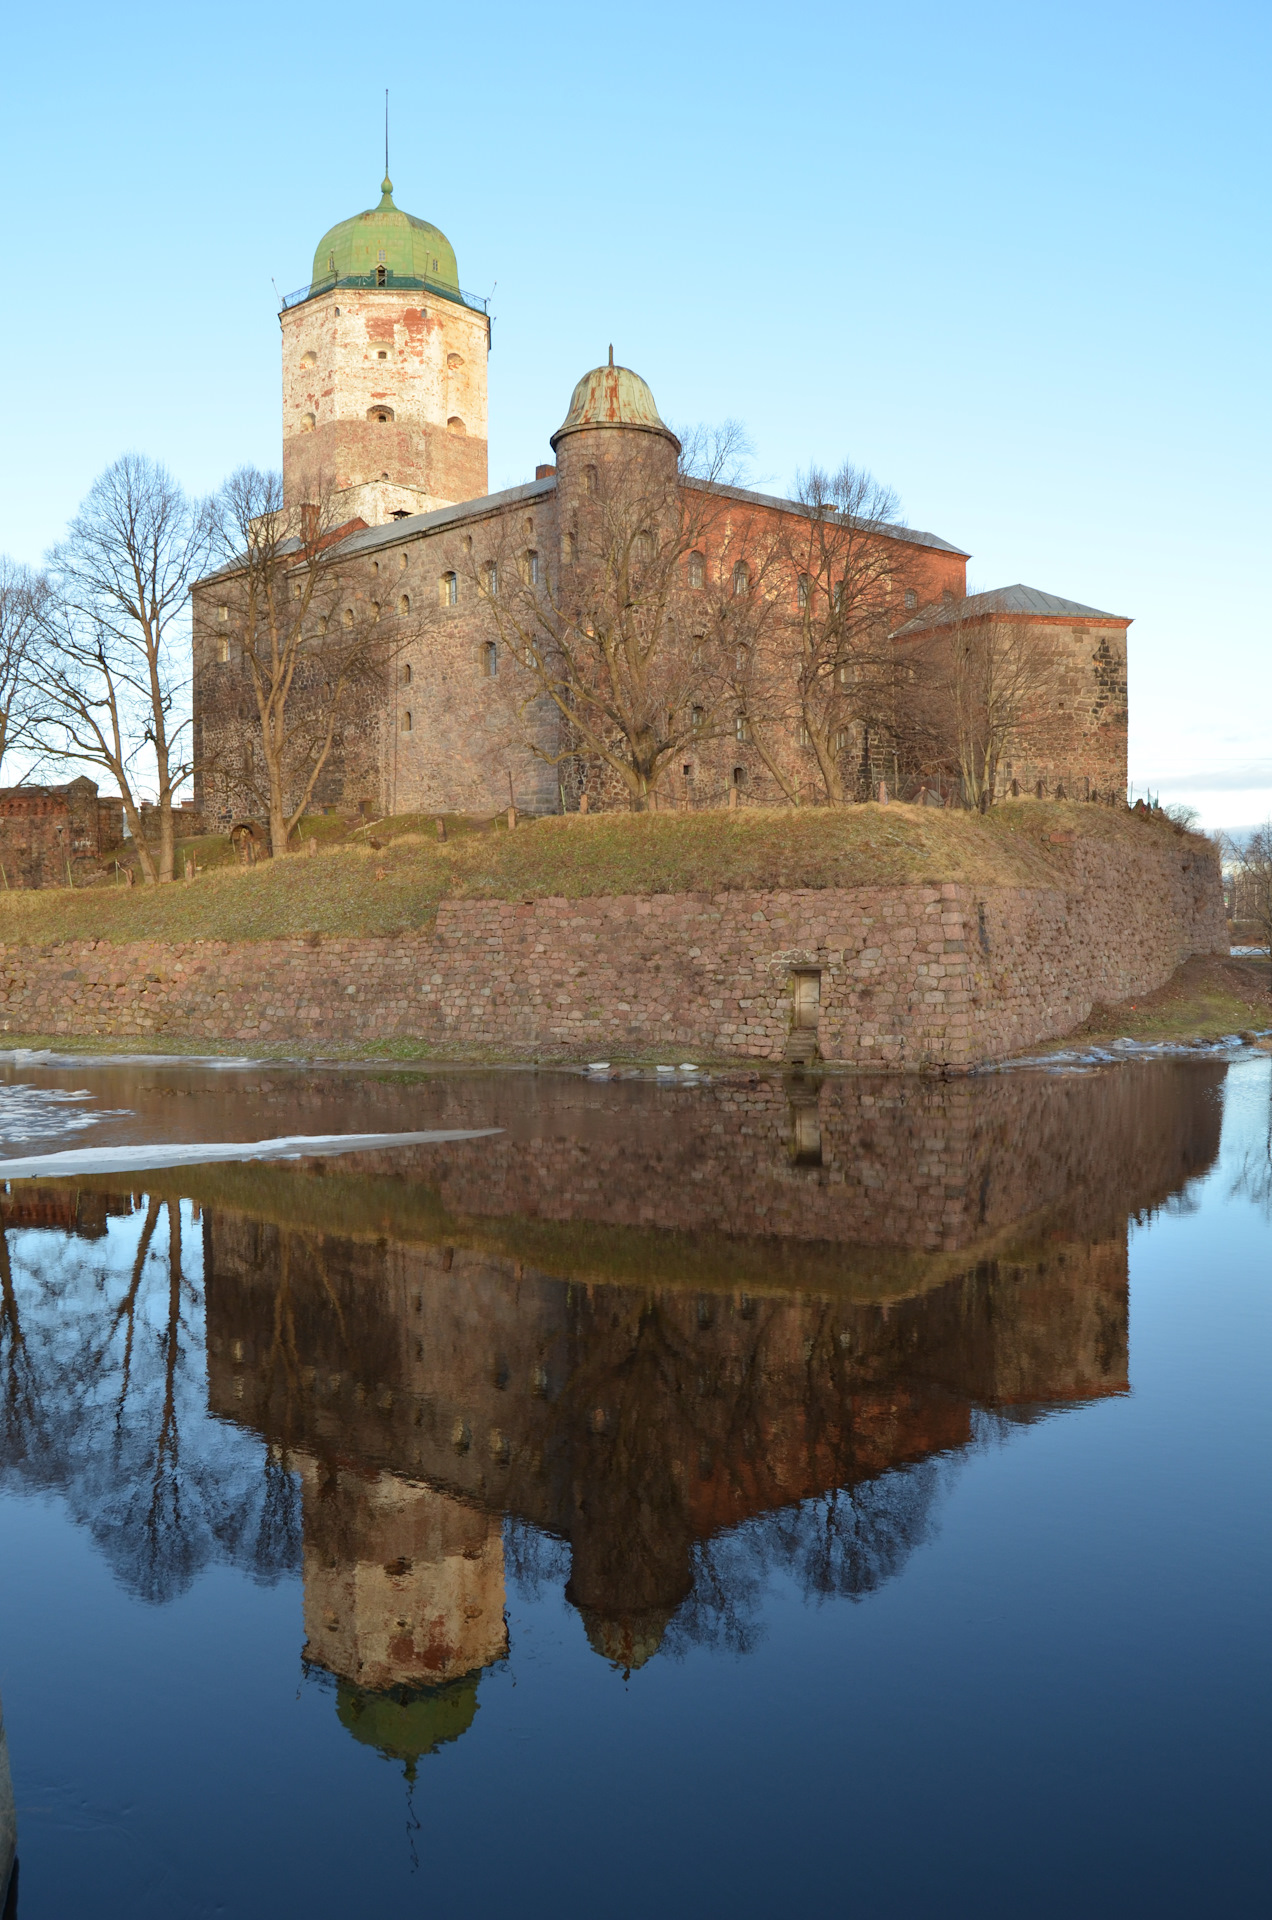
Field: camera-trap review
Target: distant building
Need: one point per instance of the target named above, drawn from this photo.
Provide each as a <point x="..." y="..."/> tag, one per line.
<point x="49" y="834"/>
<point x="384" y="408"/>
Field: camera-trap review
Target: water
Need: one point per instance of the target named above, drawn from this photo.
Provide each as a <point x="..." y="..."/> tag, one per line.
<point x="736" y="1497"/>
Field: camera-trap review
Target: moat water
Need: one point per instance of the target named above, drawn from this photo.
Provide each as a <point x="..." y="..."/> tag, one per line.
<point x="593" y="1496"/>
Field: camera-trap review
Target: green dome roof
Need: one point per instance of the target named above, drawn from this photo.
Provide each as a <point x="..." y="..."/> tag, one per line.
<point x="612" y="397"/>
<point x="410" y="250"/>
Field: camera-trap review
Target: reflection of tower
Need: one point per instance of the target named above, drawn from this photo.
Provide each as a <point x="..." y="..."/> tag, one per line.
<point x="403" y="1586"/>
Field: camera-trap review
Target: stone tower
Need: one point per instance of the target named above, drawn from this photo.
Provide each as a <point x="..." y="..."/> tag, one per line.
<point x="384" y="372"/>
<point x="612" y="427"/>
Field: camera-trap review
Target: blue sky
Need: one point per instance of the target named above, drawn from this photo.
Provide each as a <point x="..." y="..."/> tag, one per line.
<point x="1013" y="259"/>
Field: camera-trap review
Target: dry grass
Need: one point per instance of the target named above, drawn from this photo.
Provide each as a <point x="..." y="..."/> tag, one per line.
<point x="1205" y="999"/>
<point x="388" y="878"/>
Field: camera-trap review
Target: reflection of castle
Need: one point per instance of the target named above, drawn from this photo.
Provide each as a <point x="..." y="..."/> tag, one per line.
<point x="429" y="1378"/>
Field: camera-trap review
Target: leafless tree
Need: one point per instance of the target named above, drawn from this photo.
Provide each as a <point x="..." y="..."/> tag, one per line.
<point x="1249" y="858"/>
<point x="981" y="680"/>
<point x="23" y="600"/>
<point x="308" y="637"/>
<point x="643" y="646"/>
<point x="115" y="667"/>
<point x="833" y="665"/>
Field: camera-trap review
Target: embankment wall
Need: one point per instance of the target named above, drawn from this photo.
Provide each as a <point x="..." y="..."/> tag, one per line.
<point x="911" y="976"/>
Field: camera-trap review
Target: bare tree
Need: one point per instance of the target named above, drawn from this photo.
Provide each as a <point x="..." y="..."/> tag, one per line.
<point x="642" y="647"/>
<point x="23" y="601"/>
<point x="309" y="640"/>
<point x="982" y="679"/>
<point x="116" y="666"/>
<point x="833" y="666"/>
<point x="1250" y="859"/>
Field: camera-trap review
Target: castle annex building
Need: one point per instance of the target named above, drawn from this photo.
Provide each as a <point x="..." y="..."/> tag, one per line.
<point x="384" y="399"/>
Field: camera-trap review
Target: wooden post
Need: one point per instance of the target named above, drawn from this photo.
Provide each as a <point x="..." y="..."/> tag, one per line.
<point x="512" y="818"/>
<point x="733" y="796"/>
<point x="583" y="803"/>
<point x="441" y="827"/>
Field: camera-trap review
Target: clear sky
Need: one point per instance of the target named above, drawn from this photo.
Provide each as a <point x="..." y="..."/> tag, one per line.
<point x="1014" y="259"/>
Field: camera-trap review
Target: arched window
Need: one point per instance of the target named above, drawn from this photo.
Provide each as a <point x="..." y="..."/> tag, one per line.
<point x="307" y="423"/>
<point x="322" y="623"/>
<point x="802" y="734"/>
<point x="347" y="616"/>
<point x="331" y="267"/>
<point x="406" y="722"/>
<point x="382" y="416"/>
<point x="223" y="650"/>
<point x="455" y="424"/>
<point x="644" y="546"/>
<point x="404" y="603"/>
<point x="801" y="592"/>
<point x="404" y="675"/>
<point x="911" y="597"/>
<point x="490" y="660"/>
<point x="589" y="480"/>
<point x="404" y="560"/>
<point x="571" y="548"/>
<point x="740" y="729"/>
<point x="375" y="609"/>
<point x="843" y="740"/>
<point x="697" y="570"/>
<point x="308" y="359"/>
<point x="741" y="577"/>
<point x="530" y="567"/>
<point x="381" y="277"/>
<point x="837" y="596"/>
<point x="448" y="590"/>
<point x="454" y="360"/>
<point x="491" y="577"/>
<point x="699" y="719"/>
<point x="223" y="614"/>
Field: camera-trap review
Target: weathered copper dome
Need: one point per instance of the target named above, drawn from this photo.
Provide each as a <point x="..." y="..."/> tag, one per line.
<point x="613" y="396"/>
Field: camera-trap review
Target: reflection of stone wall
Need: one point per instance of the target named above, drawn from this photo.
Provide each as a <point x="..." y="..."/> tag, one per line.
<point x="403" y="1586"/>
<point x="915" y="976"/>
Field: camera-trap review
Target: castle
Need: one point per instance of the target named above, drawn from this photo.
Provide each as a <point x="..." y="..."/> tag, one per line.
<point x="384" y="362"/>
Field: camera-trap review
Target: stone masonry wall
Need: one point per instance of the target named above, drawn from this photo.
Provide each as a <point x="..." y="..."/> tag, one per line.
<point x="910" y="976"/>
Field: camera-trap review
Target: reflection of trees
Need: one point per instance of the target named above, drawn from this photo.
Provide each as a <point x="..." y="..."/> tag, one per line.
<point x="1253" y="1178"/>
<point x="104" y="1398"/>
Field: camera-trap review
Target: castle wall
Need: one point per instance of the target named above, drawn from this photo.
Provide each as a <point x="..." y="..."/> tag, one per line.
<point x="910" y="976"/>
<point x="46" y="831"/>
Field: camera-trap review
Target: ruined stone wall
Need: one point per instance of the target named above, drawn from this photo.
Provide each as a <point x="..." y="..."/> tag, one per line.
<point x="383" y="393"/>
<point x="910" y="976"/>
<point x="46" y="830"/>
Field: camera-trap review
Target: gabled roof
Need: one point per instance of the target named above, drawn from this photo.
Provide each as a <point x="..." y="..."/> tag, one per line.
<point x="889" y="530"/>
<point x="1017" y="599"/>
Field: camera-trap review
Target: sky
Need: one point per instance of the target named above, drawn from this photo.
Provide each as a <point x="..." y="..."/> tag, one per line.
<point x="1012" y="259"/>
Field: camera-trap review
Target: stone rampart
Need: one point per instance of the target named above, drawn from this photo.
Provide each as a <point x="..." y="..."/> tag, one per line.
<point x="910" y="977"/>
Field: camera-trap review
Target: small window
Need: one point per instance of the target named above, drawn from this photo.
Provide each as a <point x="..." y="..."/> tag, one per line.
<point x="740" y="658"/>
<point x="490" y="574"/>
<point x="571" y="546"/>
<point x="404" y="603"/>
<point x="347" y="616"/>
<point x="404" y="560"/>
<point x="697" y="570"/>
<point x="298" y="589"/>
<point x="740" y="728"/>
<point x="802" y="734"/>
<point x="404" y="675"/>
<point x="455" y="424"/>
<point x="699" y="719"/>
<point x="837" y="596"/>
<point x="223" y="614"/>
<point x="375" y="564"/>
<point x="911" y="597"/>
<point x="223" y="650"/>
<point x="590" y="481"/>
<point x="843" y="674"/>
<point x="406" y="723"/>
<point x="375" y="609"/>
<point x="307" y="423"/>
<point x="381" y="416"/>
<point x="308" y="359"/>
<point x="381" y="277"/>
<point x="490" y="660"/>
<point x="448" y="590"/>
<point x="530" y="567"/>
<point x="382" y="353"/>
<point x="322" y="623"/>
<point x="801" y="592"/>
<point x="644" y="546"/>
<point x="843" y="740"/>
<point x="382" y="256"/>
<point x="331" y="267"/>
<point x="454" y="360"/>
<point x="741" y="577"/>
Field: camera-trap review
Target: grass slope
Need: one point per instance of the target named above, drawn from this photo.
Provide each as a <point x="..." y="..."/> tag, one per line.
<point x="389" y="879"/>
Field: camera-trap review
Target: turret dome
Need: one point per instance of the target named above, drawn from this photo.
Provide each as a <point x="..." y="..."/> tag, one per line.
<point x="385" y="247"/>
<point x="612" y="396"/>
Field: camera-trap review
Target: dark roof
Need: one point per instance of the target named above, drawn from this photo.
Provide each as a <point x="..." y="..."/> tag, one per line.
<point x="891" y="530"/>
<point x="1015" y="599"/>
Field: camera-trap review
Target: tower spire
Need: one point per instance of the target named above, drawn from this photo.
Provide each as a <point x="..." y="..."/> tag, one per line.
<point x="386" y="133"/>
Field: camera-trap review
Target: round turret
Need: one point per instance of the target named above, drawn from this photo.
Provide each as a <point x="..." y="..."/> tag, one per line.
<point x="385" y="247"/>
<point x="612" y="396"/>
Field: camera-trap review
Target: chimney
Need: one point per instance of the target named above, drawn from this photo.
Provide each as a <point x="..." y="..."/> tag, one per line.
<point x="544" y="473"/>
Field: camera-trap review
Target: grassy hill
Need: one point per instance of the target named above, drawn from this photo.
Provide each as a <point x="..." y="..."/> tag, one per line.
<point x="389" y="878"/>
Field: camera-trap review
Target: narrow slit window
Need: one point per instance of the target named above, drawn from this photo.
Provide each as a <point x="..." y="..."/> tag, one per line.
<point x="490" y="660"/>
<point x="697" y="570"/>
<point x="448" y="590"/>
